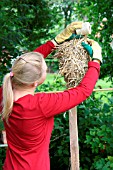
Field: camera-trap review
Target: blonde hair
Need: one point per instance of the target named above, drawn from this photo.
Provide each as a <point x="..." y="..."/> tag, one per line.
<point x="26" y="70"/>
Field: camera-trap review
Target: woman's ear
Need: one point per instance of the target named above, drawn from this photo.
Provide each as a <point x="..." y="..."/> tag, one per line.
<point x="35" y="84"/>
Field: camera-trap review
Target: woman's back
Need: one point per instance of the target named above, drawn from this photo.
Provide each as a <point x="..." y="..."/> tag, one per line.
<point x="28" y="135"/>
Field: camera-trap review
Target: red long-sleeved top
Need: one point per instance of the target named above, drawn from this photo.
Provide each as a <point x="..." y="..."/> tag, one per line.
<point x="31" y="121"/>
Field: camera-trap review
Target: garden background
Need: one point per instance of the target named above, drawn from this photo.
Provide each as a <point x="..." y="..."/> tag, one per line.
<point x="26" y="24"/>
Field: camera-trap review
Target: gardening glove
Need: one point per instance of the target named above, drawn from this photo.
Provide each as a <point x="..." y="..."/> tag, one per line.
<point x="96" y="53"/>
<point x="74" y="36"/>
<point x="88" y="48"/>
<point x="68" y="31"/>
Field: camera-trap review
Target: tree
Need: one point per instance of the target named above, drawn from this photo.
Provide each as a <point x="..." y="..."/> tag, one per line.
<point x="99" y="14"/>
<point x="24" y="26"/>
<point x="27" y="24"/>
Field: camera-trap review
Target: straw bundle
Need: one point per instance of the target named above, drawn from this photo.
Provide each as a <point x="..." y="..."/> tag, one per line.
<point x="73" y="61"/>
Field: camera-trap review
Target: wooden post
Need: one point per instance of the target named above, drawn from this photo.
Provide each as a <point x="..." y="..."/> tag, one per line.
<point x="100" y="90"/>
<point x="74" y="146"/>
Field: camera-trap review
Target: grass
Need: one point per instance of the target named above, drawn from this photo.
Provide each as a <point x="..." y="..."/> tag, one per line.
<point x="53" y="77"/>
<point x="103" y="83"/>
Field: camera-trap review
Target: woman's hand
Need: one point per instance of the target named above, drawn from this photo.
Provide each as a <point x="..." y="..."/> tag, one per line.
<point x="94" y="50"/>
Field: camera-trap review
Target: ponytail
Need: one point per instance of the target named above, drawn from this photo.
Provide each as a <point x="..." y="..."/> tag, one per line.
<point x="7" y="97"/>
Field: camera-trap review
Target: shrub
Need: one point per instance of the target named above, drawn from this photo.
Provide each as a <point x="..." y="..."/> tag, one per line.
<point x="95" y="124"/>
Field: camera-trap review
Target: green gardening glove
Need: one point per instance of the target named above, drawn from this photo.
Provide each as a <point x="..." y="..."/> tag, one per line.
<point x="88" y="48"/>
<point x="74" y="36"/>
<point x="94" y="50"/>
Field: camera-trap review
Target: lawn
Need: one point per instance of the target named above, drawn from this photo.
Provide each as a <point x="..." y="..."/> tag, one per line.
<point x="53" y="77"/>
<point x="104" y="83"/>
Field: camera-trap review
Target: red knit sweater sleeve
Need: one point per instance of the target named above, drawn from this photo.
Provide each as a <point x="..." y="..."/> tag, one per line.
<point x="55" y="103"/>
<point x="45" y="49"/>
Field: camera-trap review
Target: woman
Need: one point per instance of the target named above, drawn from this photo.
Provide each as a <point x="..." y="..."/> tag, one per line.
<point x="29" y="117"/>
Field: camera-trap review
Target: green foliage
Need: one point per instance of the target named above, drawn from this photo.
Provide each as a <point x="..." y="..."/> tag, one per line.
<point x="2" y="156"/>
<point x="52" y="64"/>
<point x="1" y="125"/>
<point x="56" y="85"/>
<point x="95" y="121"/>
<point x="60" y="147"/>
<point x="103" y="164"/>
<point x="24" y="26"/>
<point x="96" y="12"/>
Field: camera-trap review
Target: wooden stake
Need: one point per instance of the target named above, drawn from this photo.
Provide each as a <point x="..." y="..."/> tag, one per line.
<point x="106" y="89"/>
<point x="74" y="146"/>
